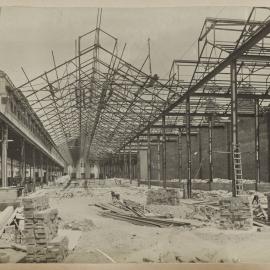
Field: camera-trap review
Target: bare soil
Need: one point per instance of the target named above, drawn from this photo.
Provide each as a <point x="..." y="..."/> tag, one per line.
<point x="126" y="243"/>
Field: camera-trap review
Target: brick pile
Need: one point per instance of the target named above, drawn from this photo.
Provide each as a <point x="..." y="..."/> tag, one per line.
<point x="41" y="227"/>
<point x="163" y="196"/>
<point x="57" y="249"/>
<point x="236" y="213"/>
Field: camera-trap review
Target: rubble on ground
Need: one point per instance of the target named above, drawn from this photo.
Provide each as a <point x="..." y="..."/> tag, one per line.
<point x="79" y="225"/>
<point x="163" y="196"/>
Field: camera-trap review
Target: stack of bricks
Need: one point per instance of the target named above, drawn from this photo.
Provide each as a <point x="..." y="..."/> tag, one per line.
<point x="236" y="213"/>
<point x="163" y="196"/>
<point x="41" y="227"/>
<point x="57" y="249"/>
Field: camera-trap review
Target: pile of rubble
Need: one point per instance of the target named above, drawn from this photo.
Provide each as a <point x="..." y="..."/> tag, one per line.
<point x="163" y="196"/>
<point x="75" y="225"/>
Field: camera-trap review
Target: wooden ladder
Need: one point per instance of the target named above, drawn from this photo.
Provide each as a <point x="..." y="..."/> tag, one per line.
<point x="238" y="173"/>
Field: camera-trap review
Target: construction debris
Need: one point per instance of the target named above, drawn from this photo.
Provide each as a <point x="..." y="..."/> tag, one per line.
<point x="84" y="225"/>
<point x="163" y="196"/>
<point x="133" y="212"/>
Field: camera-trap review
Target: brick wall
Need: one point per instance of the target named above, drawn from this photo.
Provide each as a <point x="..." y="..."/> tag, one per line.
<point x="220" y="160"/>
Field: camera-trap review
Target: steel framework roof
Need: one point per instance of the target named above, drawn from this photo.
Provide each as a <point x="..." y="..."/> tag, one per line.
<point x="96" y="103"/>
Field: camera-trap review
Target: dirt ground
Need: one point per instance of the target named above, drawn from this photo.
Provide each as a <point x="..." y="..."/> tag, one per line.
<point x="126" y="243"/>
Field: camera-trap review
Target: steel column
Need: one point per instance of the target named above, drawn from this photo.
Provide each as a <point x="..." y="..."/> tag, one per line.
<point x="200" y="154"/>
<point x="34" y="168"/>
<point x="148" y="160"/>
<point x="179" y="156"/>
<point x="210" y="149"/>
<point x="138" y="163"/>
<point x="130" y="165"/>
<point x="47" y="172"/>
<point x="188" y="138"/>
<point x="158" y="159"/>
<point x="4" y="154"/>
<point x="12" y="169"/>
<point x="257" y="143"/>
<point x="164" y="176"/>
<point x="234" y="119"/>
<point x="229" y="148"/>
<point x="125" y="164"/>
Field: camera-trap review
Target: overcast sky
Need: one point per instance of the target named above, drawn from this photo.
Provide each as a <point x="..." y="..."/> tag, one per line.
<point x="29" y="34"/>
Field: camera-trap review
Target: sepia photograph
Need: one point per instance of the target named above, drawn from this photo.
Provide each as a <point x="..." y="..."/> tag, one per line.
<point x="135" y="135"/>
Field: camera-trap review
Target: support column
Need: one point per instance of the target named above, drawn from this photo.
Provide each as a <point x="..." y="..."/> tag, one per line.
<point x="200" y="154"/>
<point x="234" y="118"/>
<point x="41" y="169"/>
<point x="120" y="173"/>
<point x="138" y="163"/>
<point x="47" y="172"/>
<point x="164" y="176"/>
<point x="257" y="143"/>
<point x="210" y="149"/>
<point x="124" y="164"/>
<point x="34" y="168"/>
<point x="12" y="170"/>
<point x="229" y="156"/>
<point x="4" y="154"/>
<point x="188" y="147"/>
<point x="148" y="159"/>
<point x="179" y="156"/>
<point x="158" y="159"/>
<point x="130" y="165"/>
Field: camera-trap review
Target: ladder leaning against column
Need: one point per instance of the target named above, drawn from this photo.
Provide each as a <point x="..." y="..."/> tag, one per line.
<point x="238" y="173"/>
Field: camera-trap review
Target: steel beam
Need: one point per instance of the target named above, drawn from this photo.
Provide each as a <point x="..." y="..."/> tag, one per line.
<point x="238" y="52"/>
<point x="217" y="114"/>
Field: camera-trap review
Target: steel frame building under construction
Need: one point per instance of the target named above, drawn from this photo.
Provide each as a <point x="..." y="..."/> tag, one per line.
<point x="96" y="108"/>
